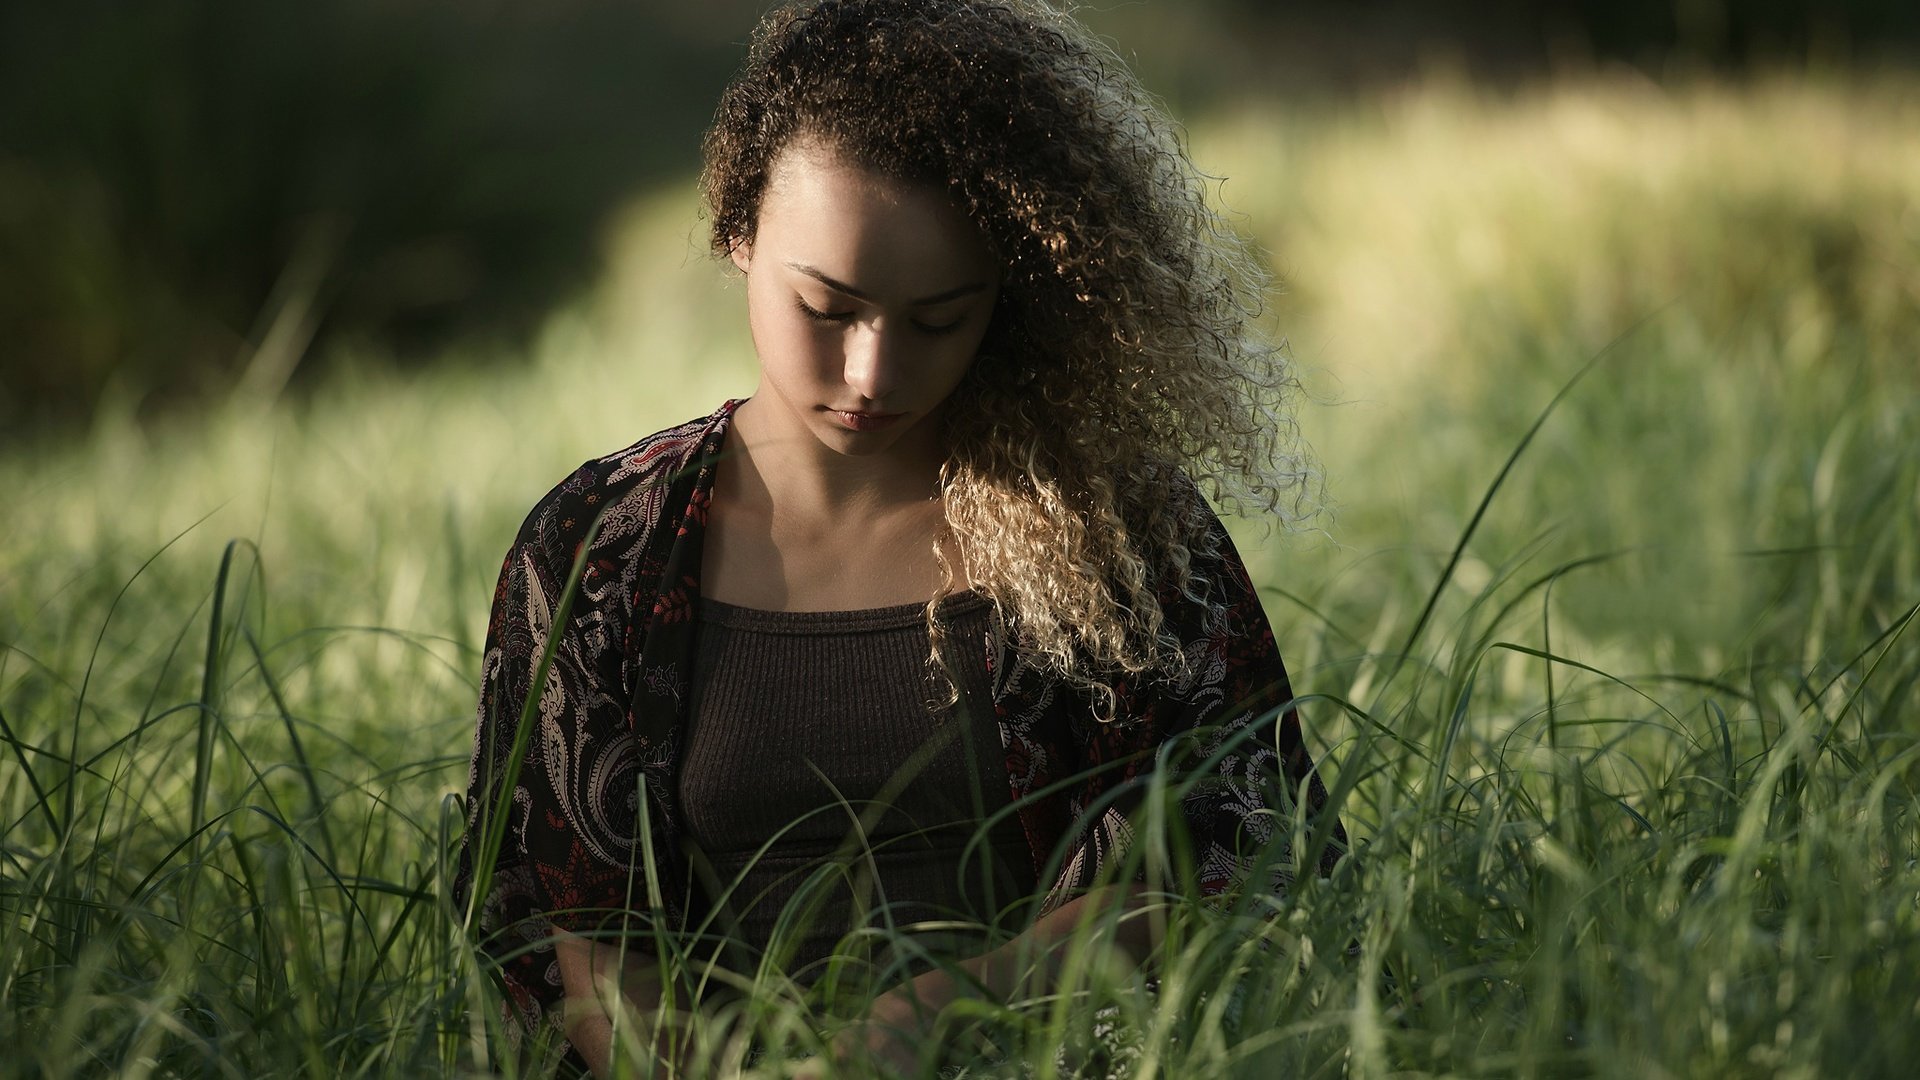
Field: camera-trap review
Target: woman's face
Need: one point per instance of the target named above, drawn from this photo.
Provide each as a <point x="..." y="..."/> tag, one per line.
<point x="868" y="298"/>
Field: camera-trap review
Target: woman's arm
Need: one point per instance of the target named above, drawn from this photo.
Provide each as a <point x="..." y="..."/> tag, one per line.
<point x="608" y="987"/>
<point x="897" y="1020"/>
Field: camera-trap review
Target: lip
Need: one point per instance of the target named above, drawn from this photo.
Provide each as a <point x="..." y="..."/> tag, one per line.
<point x="864" y="421"/>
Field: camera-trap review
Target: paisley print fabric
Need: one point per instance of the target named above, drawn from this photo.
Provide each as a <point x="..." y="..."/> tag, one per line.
<point x="594" y="793"/>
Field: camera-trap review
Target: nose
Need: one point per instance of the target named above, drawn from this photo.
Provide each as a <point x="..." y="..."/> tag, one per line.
<point x="872" y="364"/>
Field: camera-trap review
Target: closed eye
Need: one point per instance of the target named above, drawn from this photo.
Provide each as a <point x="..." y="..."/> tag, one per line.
<point x="817" y="315"/>
<point x="937" y="330"/>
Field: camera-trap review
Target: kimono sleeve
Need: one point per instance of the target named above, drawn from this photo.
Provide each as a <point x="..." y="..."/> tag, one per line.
<point x="570" y="835"/>
<point x="1233" y="709"/>
<point x="1222" y="729"/>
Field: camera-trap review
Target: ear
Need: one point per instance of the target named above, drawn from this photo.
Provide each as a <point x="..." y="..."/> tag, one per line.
<point x="741" y="252"/>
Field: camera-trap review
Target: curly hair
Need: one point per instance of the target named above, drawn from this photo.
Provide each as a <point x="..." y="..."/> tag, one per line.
<point x="1122" y="356"/>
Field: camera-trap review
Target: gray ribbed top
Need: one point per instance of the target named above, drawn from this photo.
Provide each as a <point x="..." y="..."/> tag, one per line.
<point x="813" y="733"/>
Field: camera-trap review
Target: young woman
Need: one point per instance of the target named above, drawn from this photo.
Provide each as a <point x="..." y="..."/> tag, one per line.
<point x="927" y="607"/>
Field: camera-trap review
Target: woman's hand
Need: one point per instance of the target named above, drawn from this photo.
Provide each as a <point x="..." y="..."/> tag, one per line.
<point x="892" y="1033"/>
<point x="898" y="1023"/>
<point x="616" y="991"/>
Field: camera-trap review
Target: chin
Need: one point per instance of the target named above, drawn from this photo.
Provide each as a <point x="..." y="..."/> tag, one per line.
<point x="855" y="444"/>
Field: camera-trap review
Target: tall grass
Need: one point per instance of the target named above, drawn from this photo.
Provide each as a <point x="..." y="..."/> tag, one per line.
<point x="1619" y="709"/>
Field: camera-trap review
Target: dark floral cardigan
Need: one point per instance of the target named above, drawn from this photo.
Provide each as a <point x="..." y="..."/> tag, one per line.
<point x="608" y="721"/>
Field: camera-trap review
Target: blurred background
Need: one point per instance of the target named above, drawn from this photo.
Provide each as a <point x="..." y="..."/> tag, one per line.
<point x="359" y="280"/>
<point x="214" y="197"/>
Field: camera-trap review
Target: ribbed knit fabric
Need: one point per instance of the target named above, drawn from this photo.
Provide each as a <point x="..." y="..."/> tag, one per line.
<point x="812" y="733"/>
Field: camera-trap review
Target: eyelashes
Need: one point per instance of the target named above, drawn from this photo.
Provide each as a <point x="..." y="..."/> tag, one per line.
<point x="841" y="318"/>
<point x="817" y="315"/>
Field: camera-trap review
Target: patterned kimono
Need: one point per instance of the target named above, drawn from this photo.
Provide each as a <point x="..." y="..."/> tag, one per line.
<point x="595" y="793"/>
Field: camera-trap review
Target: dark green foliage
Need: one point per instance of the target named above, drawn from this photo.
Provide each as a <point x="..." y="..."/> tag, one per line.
<point x="188" y="189"/>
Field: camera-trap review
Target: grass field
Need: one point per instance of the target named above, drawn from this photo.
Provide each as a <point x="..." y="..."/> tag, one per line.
<point x="1607" y="641"/>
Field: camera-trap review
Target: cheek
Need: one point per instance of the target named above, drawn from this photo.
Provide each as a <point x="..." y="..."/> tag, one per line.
<point x="967" y="350"/>
<point x="771" y="333"/>
<point x="787" y="344"/>
<point x="763" y="309"/>
<point x="955" y="364"/>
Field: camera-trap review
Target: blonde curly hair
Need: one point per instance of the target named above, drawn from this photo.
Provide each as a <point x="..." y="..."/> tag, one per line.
<point x="1123" y="354"/>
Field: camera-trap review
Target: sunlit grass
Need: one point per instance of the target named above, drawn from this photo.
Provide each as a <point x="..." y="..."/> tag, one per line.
<point x="1636" y="796"/>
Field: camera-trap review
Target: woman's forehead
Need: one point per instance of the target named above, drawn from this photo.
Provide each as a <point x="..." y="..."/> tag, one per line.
<point x="852" y="224"/>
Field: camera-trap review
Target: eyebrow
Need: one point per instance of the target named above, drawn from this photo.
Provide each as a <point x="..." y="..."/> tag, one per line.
<point x="842" y="287"/>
